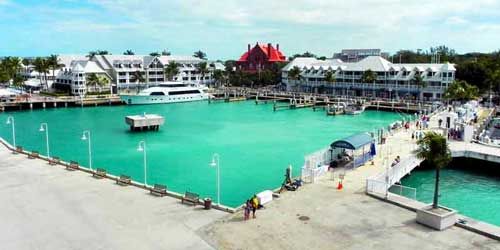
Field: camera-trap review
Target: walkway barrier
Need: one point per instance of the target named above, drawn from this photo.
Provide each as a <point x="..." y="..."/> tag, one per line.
<point x="408" y="192"/>
<point x="376" y="187"/>
<point x="315" y="165"/>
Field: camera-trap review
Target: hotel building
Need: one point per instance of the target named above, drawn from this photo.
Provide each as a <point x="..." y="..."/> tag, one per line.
<point x="392" y="80"/>
<point x="124" y="69"/>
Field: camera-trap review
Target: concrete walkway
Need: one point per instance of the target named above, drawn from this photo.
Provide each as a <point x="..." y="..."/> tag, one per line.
<point x="345" y="219"/>
<point x="48" y="207"/>
<point x="342" y="219"/>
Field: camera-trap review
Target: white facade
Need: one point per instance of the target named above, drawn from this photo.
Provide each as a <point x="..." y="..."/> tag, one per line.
<point x="393" y="80"/>
<point x="76" y="73"/>
<point x="33" y="78"/>
<point x="123" y="69"/>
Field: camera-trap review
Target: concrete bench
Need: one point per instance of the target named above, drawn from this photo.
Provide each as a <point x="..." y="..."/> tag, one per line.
<point x="159" y="190"/>
<point x="124" y="180"/>
<point x="54" y="160"/>
<point x="191" y="197"/>
<point x="33" y="155"/>
<point x="73" y="165"/>
<point x="99" y="173"/>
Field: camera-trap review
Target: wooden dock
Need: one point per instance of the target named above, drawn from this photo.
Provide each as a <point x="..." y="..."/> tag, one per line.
<point x="144" y="122"/>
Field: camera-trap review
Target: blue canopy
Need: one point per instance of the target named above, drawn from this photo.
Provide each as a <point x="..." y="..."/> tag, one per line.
<point x="353" y="142"/>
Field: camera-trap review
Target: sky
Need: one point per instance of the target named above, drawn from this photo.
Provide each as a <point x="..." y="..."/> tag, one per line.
<point x="223" y="28"/>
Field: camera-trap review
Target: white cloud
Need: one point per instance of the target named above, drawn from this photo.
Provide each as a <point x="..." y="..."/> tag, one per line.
<point x="225" y="26"/>
<point x="455" y="20"/>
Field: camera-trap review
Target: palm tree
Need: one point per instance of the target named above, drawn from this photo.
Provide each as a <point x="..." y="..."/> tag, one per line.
<point x="419" y="81"/>
<point x="154" y="54"/>
<point x="9" y="68"/>
<point x="103" y="52"/>
<point x="138" y="78"/>
<point x="102" y="81"/>
<point x="171" y="70"/>
<point x="92" y="80"/>
<point x="295" y="74"/>
<point x="369" y="77"/>
<point x="218" y="76"/>
<point x="460" y="90"/>
<point x="91" y="54"/>
<point x="434" y="149"/>
<point x="330" y="78"/>
<point x="202" y="68"/>
<point x="129" y="52"/>
<point x="200" y="54"/>
<point x="42" y="66"/>
<point x="53" y="61"/>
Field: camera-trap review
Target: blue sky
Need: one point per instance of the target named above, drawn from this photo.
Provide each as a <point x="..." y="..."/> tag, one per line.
<point x="223" y="28"/>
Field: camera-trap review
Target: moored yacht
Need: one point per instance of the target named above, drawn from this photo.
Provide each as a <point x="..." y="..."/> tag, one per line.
<point x="168" y="92"/>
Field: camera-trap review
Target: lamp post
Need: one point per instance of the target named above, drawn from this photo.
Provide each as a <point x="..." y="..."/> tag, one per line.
<point x="216" y="163"/>
<point x="44" y="127"/>
<point x="85" y="136"/>
<point x="11" y="121"/>
<point x="142" y="148"/>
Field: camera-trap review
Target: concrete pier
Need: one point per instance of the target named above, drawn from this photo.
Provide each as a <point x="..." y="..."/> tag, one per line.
<point x="144" y="122"/>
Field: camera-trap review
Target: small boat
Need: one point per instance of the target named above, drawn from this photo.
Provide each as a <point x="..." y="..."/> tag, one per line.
<point x="169" y="92"/>
<point x="354" y="110"/>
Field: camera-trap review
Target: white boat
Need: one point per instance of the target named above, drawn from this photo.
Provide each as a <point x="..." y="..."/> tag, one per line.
<point x="354" y="110"/>
<point x="168" y="92"/>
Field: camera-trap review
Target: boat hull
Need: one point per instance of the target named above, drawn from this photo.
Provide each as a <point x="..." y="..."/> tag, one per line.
<point x="161" y="99"/>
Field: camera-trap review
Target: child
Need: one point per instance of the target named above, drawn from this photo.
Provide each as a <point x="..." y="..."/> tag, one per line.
<point x="246" y="211"/>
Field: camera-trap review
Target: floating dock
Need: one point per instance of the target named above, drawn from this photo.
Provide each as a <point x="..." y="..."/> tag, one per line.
<point x="144" y="122"/>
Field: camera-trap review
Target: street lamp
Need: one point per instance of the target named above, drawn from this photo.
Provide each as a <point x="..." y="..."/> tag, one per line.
<point x="44" y="127"/>
<point x="10" y="120"/>
<point x="216" y="163"/>
<point x="85" y="136"/>
<point x="142" y="148"/>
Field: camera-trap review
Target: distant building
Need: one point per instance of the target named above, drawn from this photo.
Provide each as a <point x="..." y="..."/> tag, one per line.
<point x="260" y="57"/>
<point x="392" y="80"/>
<point x="356" y="55"/>
<point x="75" y="76"/>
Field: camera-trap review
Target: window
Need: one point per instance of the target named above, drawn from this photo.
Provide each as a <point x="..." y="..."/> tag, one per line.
<point x="193" y="78"/>
<point x="122" y="81"/>
<point x="157" y="93"/>
<point x="184" y="92"/>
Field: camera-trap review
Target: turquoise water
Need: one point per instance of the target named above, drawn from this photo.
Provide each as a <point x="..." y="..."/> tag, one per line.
<point x="473" y="194"/>
<point x="255" y="144"/>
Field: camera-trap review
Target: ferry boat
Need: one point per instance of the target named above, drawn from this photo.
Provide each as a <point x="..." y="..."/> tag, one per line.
<point x="168" y="92"/>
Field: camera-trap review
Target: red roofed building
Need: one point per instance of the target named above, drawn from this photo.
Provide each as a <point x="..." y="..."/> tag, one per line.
<point x="260" y="57"/>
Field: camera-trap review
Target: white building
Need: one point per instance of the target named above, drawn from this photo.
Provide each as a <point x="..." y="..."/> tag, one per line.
<point x="393" y="80"/>
<point x="124" y="69"/>
<point x="75" y="76"/>
<point x="36" y="79"/>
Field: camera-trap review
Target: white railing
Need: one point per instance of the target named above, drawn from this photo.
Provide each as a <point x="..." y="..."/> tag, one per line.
<point x="316" y="164"/>
<point x="381" y="183"/>
<point x="376" y="187"/>
<point x="408" y="192"/>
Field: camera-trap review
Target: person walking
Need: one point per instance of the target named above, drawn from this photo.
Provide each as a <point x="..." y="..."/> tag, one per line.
<point x="255" y="205"/>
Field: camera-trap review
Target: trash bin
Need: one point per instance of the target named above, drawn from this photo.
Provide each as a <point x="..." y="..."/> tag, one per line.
<point x="208" y="203"/>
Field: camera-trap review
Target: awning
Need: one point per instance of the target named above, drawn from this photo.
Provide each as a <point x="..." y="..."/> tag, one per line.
<point x="353" y="142"/>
